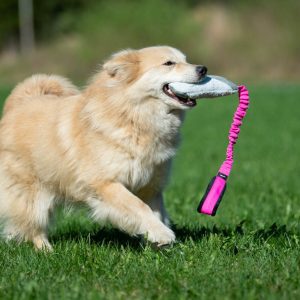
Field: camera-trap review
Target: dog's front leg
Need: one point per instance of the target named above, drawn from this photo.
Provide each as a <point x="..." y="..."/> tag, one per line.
<point x="126" y="211"/>
<point x="156" y="202"/>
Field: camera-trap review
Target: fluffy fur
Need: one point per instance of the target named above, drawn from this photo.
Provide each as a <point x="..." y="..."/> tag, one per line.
<point x="109" y="146"/>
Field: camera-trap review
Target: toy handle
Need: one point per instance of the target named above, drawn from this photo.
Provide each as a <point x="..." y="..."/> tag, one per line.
<point x="217" y="186"/>
<point x="213" y="195"/>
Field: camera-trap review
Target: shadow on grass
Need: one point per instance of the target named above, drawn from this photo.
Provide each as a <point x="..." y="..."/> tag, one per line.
<point x="110" y="236"/>
<point x="102" y="236"/>
<point x="266" y="233"/>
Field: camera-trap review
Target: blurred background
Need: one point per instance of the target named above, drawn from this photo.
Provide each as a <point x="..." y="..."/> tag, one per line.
<point x="254" y="41"/>
<point x="251" y="249"/>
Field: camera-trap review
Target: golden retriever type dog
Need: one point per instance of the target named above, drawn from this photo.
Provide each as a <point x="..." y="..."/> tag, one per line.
<point x="109" y="146"/>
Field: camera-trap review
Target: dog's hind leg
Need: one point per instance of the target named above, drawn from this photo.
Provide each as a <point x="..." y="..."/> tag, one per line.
<point x="25" y="207"/>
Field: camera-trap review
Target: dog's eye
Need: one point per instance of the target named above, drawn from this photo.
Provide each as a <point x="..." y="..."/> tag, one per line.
<point x="169" y="63"/>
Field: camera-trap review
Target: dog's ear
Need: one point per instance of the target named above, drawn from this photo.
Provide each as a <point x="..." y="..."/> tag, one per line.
<point x="123" y="65"/>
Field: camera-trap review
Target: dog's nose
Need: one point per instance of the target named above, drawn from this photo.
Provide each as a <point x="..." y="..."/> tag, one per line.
<point x="201" y="71"/>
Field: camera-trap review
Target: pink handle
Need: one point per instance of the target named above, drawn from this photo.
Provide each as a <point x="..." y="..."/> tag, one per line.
<point x="216" y="188"/>
<point x="213" y="196"/>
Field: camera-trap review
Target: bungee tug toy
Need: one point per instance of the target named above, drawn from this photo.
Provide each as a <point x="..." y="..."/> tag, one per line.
<point x="212" y="87"/>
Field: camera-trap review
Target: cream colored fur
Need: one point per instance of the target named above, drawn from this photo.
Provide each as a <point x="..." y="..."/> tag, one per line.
<point x="109" y="146"/>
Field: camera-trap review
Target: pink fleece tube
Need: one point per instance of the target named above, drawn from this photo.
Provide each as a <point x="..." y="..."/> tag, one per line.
<point x="215" y="190"/>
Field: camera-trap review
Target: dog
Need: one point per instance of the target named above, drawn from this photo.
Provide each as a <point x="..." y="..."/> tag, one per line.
<point x="109" y="145"/>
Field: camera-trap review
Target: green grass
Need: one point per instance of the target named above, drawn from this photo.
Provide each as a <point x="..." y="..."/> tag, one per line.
<point x="250" y="250"/>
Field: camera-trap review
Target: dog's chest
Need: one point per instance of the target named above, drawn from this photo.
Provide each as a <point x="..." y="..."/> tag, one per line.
<point x="149" y="154"/>
<point x="140" y="172"/>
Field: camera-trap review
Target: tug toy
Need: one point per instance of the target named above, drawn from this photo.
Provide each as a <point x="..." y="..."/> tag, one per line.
<point x="211" y="87"/>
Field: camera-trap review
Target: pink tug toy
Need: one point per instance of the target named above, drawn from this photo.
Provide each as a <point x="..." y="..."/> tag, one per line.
<point x="217" y="186"/>
<point x="211" y="87"/>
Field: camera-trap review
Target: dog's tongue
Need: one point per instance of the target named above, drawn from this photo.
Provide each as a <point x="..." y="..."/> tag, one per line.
<point x="210" y="87"/>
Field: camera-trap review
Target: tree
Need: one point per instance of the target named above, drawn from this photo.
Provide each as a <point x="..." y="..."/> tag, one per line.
<point x="26" y="26"/>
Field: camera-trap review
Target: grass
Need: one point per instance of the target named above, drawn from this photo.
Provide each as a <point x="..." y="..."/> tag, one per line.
<point x="250" y="250"/>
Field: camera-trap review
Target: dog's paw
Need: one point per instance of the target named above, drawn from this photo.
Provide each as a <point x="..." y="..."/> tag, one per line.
<point x="41" y="242"/>
<point x="160" y="235"/>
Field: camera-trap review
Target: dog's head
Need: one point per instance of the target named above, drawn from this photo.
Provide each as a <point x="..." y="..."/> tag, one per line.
<point x="144" y="75"/>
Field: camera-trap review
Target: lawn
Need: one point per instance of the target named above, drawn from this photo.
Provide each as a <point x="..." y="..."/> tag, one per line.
<point x="250" y="250"/>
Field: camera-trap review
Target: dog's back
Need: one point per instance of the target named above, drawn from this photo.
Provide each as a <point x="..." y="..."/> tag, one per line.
<point x="38" y="85"/>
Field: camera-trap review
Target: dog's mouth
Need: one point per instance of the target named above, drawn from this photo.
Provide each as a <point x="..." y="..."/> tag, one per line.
<point x="182" y="100"/>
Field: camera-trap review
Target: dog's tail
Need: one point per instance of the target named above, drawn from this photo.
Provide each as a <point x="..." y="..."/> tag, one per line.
<point x="38" y="85"/>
